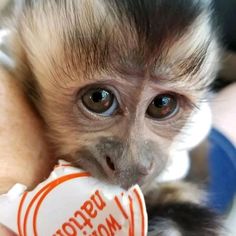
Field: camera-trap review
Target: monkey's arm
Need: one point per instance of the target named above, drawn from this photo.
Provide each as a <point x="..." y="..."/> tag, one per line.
<point x="24" y="157"/>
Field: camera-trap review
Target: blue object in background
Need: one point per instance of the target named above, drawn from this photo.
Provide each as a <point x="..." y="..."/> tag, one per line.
<point x="222" y="168"/>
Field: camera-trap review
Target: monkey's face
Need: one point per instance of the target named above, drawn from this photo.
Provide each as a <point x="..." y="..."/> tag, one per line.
<point x="118" y="81"/>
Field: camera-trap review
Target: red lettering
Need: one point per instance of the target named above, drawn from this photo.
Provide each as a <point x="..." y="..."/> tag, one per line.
<point x="117" y="201"/>
<point x="98" y="201"/>
<point x="76" y="223"/>
<point x="86" y="220"/>
<point x="102" y="230"/>
<point x="88" y="207"/>
<point x="69" y="229"/>
<point x="112" y="224"/>
<point x="58" y="232"/>
<point x="94" y="233"/>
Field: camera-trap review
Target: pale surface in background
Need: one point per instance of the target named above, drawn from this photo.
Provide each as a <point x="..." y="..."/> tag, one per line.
<point x="231" y="221"/>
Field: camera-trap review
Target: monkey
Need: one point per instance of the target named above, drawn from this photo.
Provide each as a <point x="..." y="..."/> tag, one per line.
<point x="117" y="84"/>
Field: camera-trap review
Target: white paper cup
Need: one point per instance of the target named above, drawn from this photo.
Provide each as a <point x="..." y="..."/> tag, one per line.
<point x="70" y="203"/>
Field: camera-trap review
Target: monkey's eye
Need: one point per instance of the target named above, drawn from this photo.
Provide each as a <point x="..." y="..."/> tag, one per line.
<point x="100" y="101"/>
<point x="163" y="106"/>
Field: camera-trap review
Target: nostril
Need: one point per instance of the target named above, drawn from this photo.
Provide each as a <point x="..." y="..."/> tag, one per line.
<point x="110" y="163"/>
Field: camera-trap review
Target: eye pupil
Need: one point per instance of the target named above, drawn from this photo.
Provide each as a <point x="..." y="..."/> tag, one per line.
<point x="163" y="106"/>
<point x="99" y="101"/>
<point x="99" y="96"/>
<point x="162" y="101"/>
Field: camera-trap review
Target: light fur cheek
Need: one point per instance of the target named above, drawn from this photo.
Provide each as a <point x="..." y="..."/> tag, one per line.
<point x="195" y="130"/>
<point x="68" y="141"/>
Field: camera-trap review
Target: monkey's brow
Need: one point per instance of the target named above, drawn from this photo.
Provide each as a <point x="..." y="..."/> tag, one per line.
<point x="192" y="64"/>
<point x="187" y="67"/>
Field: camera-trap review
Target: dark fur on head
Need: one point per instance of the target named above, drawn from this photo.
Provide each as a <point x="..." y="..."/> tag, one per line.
<point x="135" y="48"/>
<point x="121" y="36"/>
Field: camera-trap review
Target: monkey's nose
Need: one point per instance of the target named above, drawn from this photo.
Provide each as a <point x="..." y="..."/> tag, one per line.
<point x="129" y="174"/>
<point x="110" y="163"/>
<point x="143" y="170"/>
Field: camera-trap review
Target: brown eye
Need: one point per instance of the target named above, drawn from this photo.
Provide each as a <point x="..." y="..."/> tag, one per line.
<point x="100" y="101"/>
<point x="163" y="106"/>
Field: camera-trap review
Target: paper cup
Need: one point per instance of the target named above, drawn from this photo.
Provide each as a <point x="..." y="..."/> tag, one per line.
<point x="71" y="202"/>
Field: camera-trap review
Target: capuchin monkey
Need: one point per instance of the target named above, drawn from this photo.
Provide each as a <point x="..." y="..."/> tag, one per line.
<point x="117" y="83"/>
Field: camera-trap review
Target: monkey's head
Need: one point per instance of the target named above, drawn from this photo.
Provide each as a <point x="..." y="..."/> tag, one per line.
<point x="117" y="82"/>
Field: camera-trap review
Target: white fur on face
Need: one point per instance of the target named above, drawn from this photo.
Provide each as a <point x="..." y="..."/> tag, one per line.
<point x="198" y="39"/>
<point x="196" y="35"/>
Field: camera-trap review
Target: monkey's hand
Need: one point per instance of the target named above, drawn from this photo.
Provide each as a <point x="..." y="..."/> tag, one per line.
<point x="177" y="209"/>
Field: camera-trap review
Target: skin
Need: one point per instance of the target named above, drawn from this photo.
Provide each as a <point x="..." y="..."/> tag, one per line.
<point x="20" y="147"/>
<point x="6" y="232"/>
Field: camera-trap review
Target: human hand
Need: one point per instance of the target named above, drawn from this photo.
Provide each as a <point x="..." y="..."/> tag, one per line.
<point x="5" y="231"/>
<point x="24" y="155"/>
